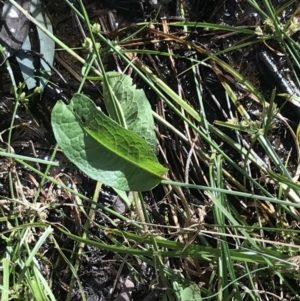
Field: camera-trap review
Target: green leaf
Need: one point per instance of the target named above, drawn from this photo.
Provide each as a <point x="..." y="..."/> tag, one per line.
<point x="133" y="104"/>
<point x="191" y="293"/>
<point x="102" y="149"/>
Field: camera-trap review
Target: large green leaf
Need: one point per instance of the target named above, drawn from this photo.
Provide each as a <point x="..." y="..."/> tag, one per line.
<point x="102" y="149"/>
<point x="121" y="94"/>
<point x="191" y="293"/>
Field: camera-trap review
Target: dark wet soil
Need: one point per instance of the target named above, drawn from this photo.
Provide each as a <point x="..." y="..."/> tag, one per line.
<point x="99" y="269"/>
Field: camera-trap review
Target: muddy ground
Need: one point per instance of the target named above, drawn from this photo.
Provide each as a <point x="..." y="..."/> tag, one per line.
<point x="33" y="136"/>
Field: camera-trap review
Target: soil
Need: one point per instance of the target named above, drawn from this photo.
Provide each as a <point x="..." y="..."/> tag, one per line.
<point x="99" y="270"/>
